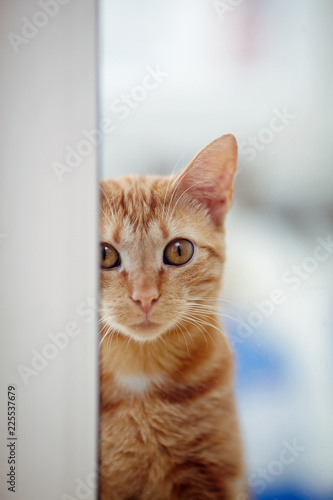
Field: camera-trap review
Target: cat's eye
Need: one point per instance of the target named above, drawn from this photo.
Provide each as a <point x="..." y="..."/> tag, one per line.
<point x="178" y="252"/>
<point x="109" y="256"/>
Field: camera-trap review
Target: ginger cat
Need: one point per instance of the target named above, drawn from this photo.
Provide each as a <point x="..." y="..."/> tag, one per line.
<point x="169" y="427"/>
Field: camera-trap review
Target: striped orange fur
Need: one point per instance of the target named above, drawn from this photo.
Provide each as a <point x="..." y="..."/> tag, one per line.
<point x="169" y="427"/>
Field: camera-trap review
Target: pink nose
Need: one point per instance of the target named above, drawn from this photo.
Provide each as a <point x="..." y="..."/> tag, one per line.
<point x="145" y="297"/>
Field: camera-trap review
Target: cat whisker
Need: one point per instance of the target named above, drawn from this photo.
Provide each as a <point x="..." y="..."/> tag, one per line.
<point x="180" y="197"/>
<point x="204" y="309"/>
<point x="203" y="306"/>
<point x="180" y="177"/>
<point x="162" y="340"/>
<point x="101" y="342"/>
<point x="219" y="313"/>
<point x="103" y="319"/>
<point x="128" y="341"/>
<point x="199" y="320"/>
<point x="233" y="318"/>
<point x="188" y="333"/>
<point x="108" y="202"/>
<point x="188" y="351"/>
<point x="109" y="220"/>
<point x="171" y="198"/>
<point x="110" y="339"/>
<point x="109" y="330"/>
<point x="189" y="320"/>
<point x="212" y="299"/>
<point x="224" y="304"/>
<point x="198" y="317"/>
<point x="170" y="179"/>
<point x="177" y="329"/>
<point x="183" y="218"/>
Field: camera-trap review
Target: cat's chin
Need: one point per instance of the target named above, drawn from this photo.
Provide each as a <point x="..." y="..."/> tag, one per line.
<point x="145" y="331"/>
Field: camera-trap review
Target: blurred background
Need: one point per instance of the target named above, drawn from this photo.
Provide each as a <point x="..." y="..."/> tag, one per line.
<point x="174" y="76"/>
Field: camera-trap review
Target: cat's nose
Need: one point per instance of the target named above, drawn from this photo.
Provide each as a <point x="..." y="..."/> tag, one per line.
<point x="145" y="297"/>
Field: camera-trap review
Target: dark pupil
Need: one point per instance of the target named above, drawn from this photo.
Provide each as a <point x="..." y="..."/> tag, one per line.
<point x="179" y="250"/>
<point x="104" y="253"/>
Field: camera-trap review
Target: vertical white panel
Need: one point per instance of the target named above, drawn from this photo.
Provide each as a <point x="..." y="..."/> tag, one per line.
<point x="48" y="242"/>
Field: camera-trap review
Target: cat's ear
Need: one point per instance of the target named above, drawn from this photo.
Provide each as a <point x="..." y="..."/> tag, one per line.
<point x="209" y="178"/>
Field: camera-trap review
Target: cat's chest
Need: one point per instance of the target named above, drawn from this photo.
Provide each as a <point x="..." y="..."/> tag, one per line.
<point x="149" y="427"/>
<point x="146" y="430"/>
<point x="139" y="432"/>
<point x="145" y="410"/>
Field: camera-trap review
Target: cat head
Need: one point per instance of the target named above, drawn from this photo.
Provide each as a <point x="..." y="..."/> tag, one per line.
<point x="162" y="245"/>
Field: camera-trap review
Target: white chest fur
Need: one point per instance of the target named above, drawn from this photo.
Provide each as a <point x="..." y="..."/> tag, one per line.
<point x="139" y="384"/>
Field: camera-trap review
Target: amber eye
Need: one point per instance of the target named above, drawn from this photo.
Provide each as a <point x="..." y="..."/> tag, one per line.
<point x="178" y="252"/>
<point x="109" y="256"/>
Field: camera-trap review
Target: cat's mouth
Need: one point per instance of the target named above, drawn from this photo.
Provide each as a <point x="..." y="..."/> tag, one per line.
<point x="146" y="323"/>
<point x="145" y="330"/>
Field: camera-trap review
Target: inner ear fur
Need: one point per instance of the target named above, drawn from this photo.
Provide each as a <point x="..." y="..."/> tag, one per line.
<point x="209" y="178"/>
